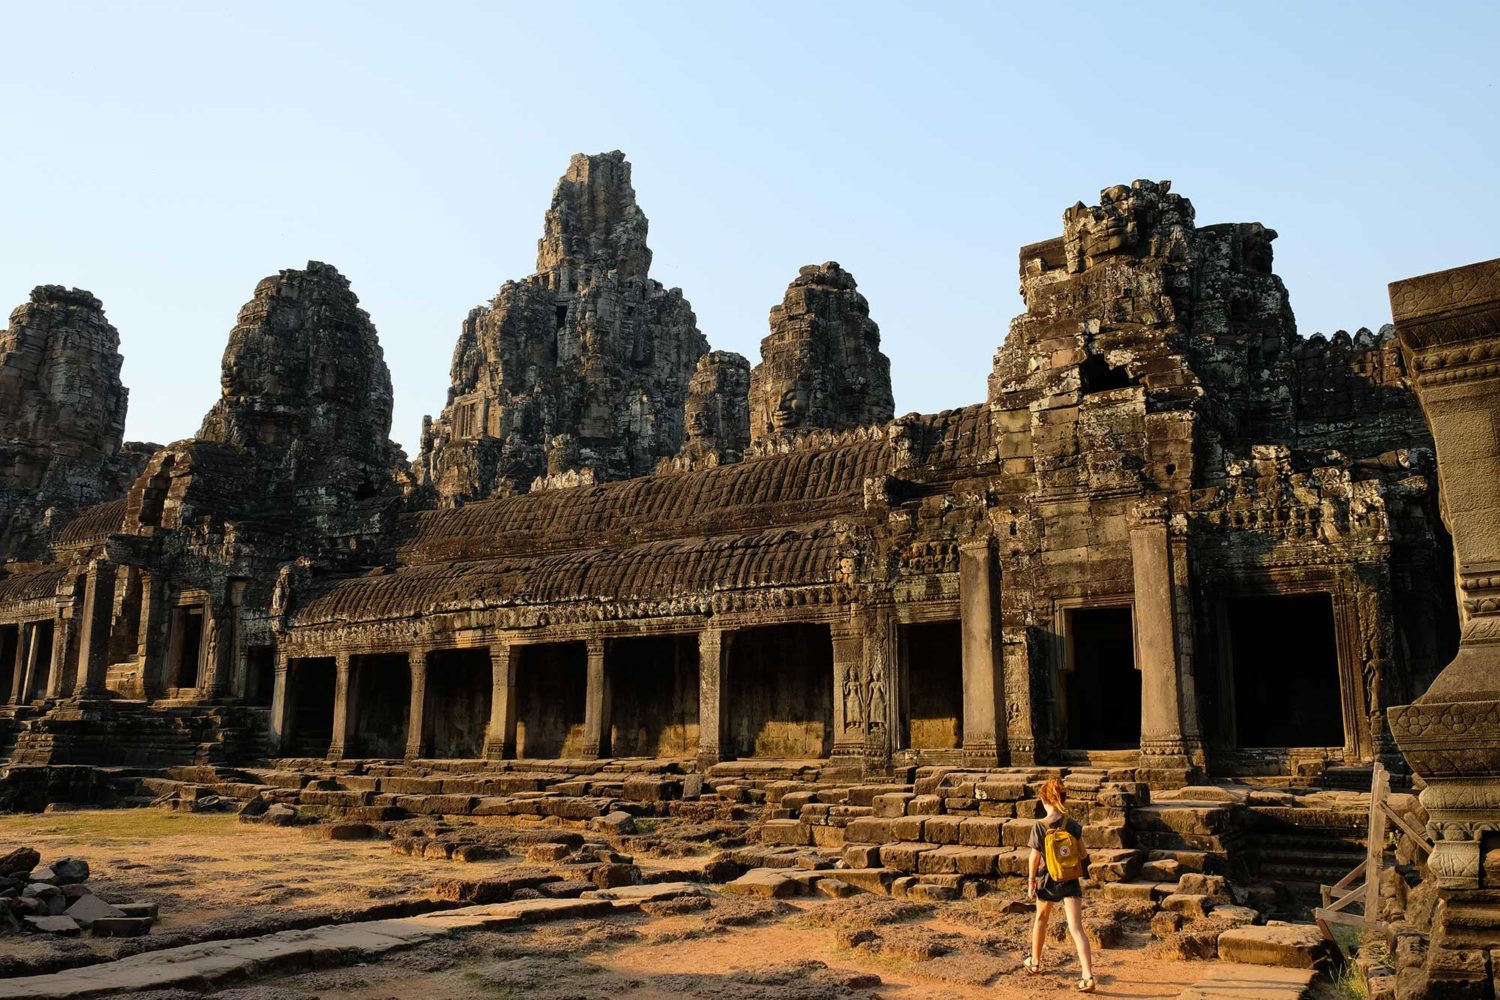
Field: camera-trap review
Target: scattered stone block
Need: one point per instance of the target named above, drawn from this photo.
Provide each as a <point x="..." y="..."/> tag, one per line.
<point x="64" y="926"/>
<point x="86" y="909"/>
<point x="1188" y="904"/>
<point x="121" y="926"/>
<point x="1293" y="946"/>
<point x="767" y="883"/>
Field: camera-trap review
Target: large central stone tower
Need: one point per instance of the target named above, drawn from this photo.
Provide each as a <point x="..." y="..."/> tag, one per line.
<point x="578" y="373"/>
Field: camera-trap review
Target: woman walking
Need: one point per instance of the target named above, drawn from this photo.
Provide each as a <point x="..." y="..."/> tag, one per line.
<point x="1059" y="857"/>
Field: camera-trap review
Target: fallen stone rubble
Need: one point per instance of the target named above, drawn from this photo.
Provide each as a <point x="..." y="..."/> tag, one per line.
<point x="53" y="899"/>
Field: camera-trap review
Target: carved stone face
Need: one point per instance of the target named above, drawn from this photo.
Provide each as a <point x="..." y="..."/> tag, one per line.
<point x="792" y="410"/>
<point x="700" y="422"/>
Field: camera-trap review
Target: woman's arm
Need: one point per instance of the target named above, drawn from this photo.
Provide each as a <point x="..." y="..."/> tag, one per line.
<point x="1033" y="867"/>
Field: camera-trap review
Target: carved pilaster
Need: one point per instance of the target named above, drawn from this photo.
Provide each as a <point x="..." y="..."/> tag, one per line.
<point x="500" y="736"/>
<point x="984" y="724"/>
<point x="1449" y="329"/>
<point x="596" y="709"/>
<point x="416" y="718"/>
<point x="713" y="673"/>
<point x="281" y="706"/>
<point x="344" y="708"/>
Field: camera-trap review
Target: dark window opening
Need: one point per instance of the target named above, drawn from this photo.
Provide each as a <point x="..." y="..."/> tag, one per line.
<point x="562" y="316"/>
<point x="260" y="674"/>
<point x="1098" y="375"/>
<point x="653" y="696"/>
<point x="781" y="694"/>
<point x="1102" y="687"/>
<point x="11" y="664"/>
<point x="551" y="698"/>
<point x="1284" y="657"/>
<point x="382" y="701"/>
<point x="934" y="658"/>
<point x="458" y="702"/>
<point x="185" y="649"/>
<point x="310" y="689"/>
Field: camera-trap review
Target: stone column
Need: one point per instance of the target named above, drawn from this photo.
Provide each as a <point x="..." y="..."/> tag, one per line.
<point x="884" y="696"/>
<point x="596" y="709"/>
<point x="1164" y="756"/>
<point x="416" y="717"/>
<point x="500" y="737"/>
<point x="21" y="662"/>
<point x="281" y="705"/>
<point x="93" y="647"/>
<point x="345" y="708"/>
<point x="1449" y="328"/>
<point x="713" y="672"/>
<point x="984" y="684"/>
<point x="152" y="634"/>
<point x="851" y="689"/>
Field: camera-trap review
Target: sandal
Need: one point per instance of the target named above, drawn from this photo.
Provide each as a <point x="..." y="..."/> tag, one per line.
<point x="1031" y="967"/>
<point x="1086" y="985"/>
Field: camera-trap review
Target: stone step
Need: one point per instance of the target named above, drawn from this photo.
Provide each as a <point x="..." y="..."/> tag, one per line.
<point x="1252" y="982"/>
<point x="1292" y="946"/>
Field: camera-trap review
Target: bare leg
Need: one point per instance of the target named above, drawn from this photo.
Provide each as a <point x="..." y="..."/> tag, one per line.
<point x="1039" y="931"/>
<point x="1073" y="907"/>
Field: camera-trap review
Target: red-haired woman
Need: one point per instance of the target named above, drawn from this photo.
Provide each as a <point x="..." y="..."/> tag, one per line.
<point x="1047" y="890"/>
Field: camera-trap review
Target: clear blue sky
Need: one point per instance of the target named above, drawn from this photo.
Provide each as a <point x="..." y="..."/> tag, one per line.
<point x="167" y="157"/>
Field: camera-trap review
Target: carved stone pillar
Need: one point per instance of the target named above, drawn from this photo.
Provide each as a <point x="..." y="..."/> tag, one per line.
<point x="93" y="647"/>
<point x="151" y="636"/>
<point x="596" y="706"/>
<point x="984" y="740"/>
<point x="883" y="676"/>
<point x="851" y="690"/>
<point x="281" y="706"/>
<point x="59" y="678"/>
<point x="416" y="711"/>
<point x="345" y="711"/>
<point x="1449" y="329"/>
<point x="500" y="737"/>
<point x="1164" y="748"/>
<point x="713" y="673"/>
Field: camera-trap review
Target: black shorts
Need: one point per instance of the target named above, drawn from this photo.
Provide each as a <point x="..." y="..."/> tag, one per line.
<point x="1049" y="891"/>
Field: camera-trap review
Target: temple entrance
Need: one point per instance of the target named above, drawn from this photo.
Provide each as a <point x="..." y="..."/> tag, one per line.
<point x="11" y="660"/>
<point x="653" y="696"/>
<point x="38" y="640"/>
<point x="458" y="701"/>
<point x="780" y="692"/>
<point x="551" y="699"/>
<point x="932" y="656"/>
<point x="260" y="675"/>
<point x="310" y="688"/>
<point x="184" y="651"/>
<point x="1101" y="685"/>
<point x="382" y="704"/>
<point x="1283" y="653"/>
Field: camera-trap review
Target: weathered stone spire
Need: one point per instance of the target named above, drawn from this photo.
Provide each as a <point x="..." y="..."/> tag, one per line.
<point x="62" y="416"/>
<point x="576" y="374"/>
<point x="821" y="366"/>
<point x="307" y="394"/>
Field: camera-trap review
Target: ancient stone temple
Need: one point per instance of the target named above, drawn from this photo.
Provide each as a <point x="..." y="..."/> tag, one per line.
<point x="578" y="373"/>
<point x="618" y="543"/>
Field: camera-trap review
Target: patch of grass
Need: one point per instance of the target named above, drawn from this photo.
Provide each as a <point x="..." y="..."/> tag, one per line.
<point x="1347" y="982"/>
<point x="1375" y="947"/>
<point x="119" y="826"/>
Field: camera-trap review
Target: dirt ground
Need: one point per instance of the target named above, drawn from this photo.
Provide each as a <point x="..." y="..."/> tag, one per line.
<point x="212" y="874"/>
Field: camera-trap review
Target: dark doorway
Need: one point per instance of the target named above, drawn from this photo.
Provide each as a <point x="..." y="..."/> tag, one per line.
<point x="39" y="655"/>
<point x="383" y="704"/>
<point x="551" y="699"/>
<point x="10" y="647"/>
<point x="654" y="696"/>
<point x="310" y="688"/>
<point x="260" y="675"/>
<point x="458" y="701"/>
<point x="934" y="657"/>
<point x="1284" y="657"/>
<point x="780" y="701"/>
<point x="1102" y="686"/>
<point x="184" y="651"/>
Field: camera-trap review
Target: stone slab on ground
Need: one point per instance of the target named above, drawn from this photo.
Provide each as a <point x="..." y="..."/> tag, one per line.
<point x="1230" y="981"/>
<point x="1292" y="946"/>
<point x="205" y="966"/>
<point x="766" y="882"/>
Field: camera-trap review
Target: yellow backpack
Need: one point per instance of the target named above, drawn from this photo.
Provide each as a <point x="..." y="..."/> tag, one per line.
<point x="1064" y="854"/>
